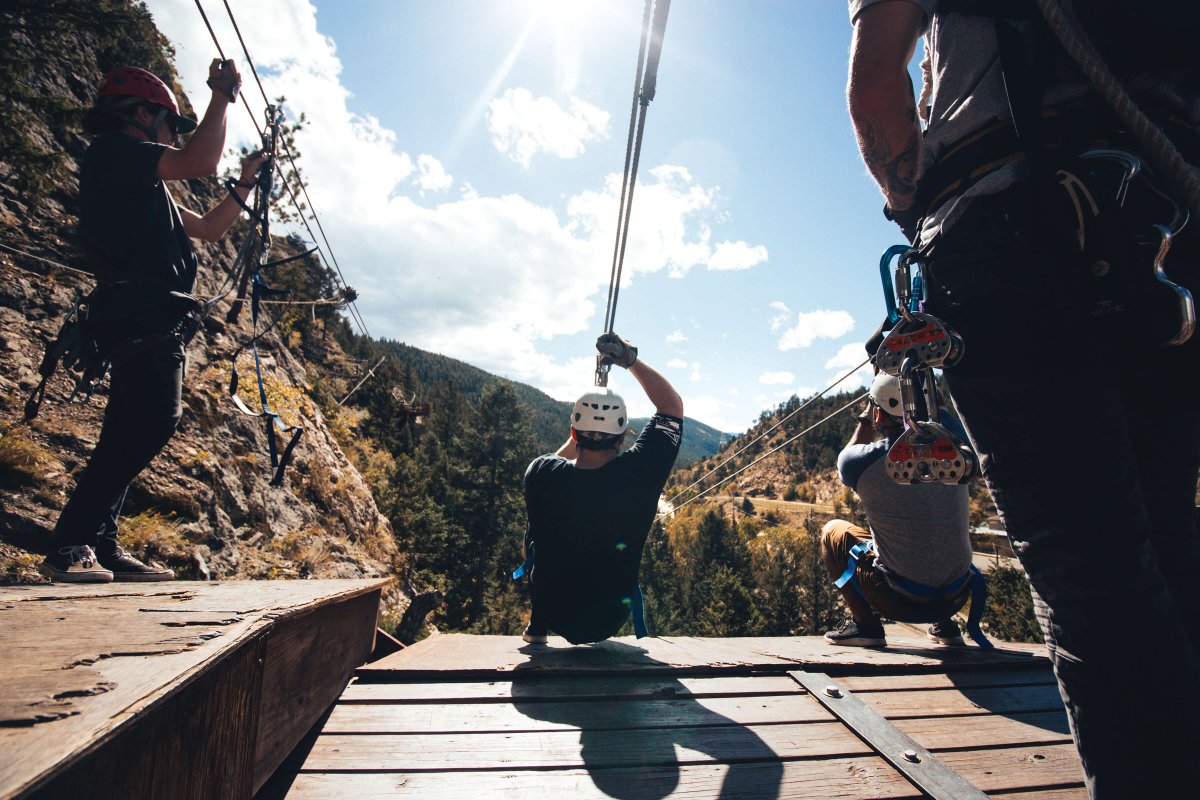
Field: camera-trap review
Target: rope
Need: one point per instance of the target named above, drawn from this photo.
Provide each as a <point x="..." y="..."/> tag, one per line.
<point x="1168" y="164"/>
<point x="55" y="264"/>
<point x="354" y="313"/>
<point x="767" y="454"/>
<point x="749" y="444"/>
<point x="643" y="92"/>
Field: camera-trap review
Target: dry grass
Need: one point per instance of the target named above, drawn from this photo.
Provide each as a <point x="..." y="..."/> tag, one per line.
<point x="24" y="461"/>
<point x="18" y="566"/>
<point x="152" y="535"/>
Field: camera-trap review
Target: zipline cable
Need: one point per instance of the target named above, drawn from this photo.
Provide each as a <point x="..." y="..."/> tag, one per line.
<point x="354" y="313"/>
<point x="316" y="218"/>
<point x="767" y="454"/>
<point x="645" y="84"/>
<point x="750" y="444"/>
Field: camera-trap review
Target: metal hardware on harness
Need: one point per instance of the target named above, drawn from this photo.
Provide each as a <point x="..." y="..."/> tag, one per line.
<point x="602" y="371"/>
<point x="927" y="451"/>
<point x="920" y="336"/>
<point x="1132" y="168"/>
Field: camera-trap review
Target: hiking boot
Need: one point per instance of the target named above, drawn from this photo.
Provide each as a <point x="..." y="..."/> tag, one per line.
<point x="74" y="565"/>
<point x="127" y="568"/>
<point x="946" y="632"/>
<point x="534" y="635"/>
<point x="858" y="634"/>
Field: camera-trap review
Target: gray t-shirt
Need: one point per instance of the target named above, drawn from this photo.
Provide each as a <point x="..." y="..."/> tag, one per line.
<point x="968" y="94"/>
<point x="921" y="531"/>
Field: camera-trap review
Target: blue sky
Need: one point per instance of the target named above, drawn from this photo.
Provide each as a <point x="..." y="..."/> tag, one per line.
<point x="464" y="157"/>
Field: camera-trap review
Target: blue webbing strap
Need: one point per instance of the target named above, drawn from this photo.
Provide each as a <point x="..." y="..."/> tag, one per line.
<point x="978" y="589"/>
<point x="850" y="576"/>
<point x="523" y="570"/>
<point x="638" y="608"/>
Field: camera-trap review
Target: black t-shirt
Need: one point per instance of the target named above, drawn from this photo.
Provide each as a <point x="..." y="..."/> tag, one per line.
<point x="588" y="527"/>
<point x="130" y="227"/>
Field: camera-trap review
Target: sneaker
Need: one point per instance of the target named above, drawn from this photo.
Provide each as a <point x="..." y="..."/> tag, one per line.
<point x="855" y="634"/>
<point x="947" y="633"/>
<point x="127" y="568"/>
<point x="74" y="565"/>
<point x="534" y="635"/>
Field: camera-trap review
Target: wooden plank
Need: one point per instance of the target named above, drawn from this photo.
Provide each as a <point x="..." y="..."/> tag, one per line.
<point x="1036" y="676"/>
<point x="1024" y="768"/>
<point x="428" y="718"/>
<point x="956" y="733"/>
<point x="309" y="660"/>
<point x="903" y="752"/>
<point x="588" y="749"/>
<point x="832" y="779"/>
<point x="97" y="657"/>
<point x="464" y="657"/>
<point x="157" y="755"/>
<point x="574" y="688"/>
<point x="952" y="702"/>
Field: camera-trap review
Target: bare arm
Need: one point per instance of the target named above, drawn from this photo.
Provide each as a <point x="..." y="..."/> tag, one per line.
<point x="202" y="153"/>
<point x="880" y="96"/>
<point x="661" y="393"/>
<point x="216" y="221"/>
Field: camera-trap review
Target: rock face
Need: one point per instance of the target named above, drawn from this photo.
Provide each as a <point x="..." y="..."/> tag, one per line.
<point x="205" y="506"/>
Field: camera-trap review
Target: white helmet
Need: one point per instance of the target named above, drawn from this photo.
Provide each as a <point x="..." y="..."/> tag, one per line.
<point x="885" y="393"/>
<point x="600" y="410"/>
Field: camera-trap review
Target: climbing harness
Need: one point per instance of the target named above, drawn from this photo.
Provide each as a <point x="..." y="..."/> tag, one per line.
<point x="644" y="86"/>
<point x="918" y="342"/>
<point x="75" y="348"/>
<point x="927" y="593"/>
<point x="258" y="291"/>
<point x="636" y="602"/>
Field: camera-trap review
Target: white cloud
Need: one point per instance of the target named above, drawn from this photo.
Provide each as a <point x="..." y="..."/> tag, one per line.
<point x="813" y="325"/>
<point x="771" y="378"/>
<point x="522" y="126"/>
<point x="736" y="256"/>
<point x="695" y="374"/>
<point x="431" y="175"/>
<point x="676" y="336"/>
<point x="677" y="363"/>
<point x="481" y="277"/>
<point x="714" y="412"/>
<point x="781" y="316"/>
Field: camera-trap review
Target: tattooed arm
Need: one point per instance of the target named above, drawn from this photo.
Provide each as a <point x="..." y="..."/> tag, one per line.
<point x="880" y="96"/>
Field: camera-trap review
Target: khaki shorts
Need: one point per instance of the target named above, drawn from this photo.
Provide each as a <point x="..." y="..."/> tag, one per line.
<point x="884" y="600"/>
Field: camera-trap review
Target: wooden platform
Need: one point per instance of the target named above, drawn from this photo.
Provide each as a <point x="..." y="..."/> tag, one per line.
<point x="170" y="690"/>
<point x="487" y="716"/>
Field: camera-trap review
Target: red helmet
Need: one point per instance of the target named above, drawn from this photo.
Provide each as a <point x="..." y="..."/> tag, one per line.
<point x="135" y="82"/>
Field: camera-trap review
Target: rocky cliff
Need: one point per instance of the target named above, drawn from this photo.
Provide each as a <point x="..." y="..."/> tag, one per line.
<point x="205" y="506"/>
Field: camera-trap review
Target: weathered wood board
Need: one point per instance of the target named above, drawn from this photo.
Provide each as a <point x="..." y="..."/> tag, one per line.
<point x="484" y="716"/>
<point x="121" y="690"/>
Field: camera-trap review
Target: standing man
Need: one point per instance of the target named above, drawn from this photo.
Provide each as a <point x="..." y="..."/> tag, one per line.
<point x="590" y="507"/>
<point x="1018" y="222"/>
<point x="137" y="243"/>
<point x="917" y="567"/>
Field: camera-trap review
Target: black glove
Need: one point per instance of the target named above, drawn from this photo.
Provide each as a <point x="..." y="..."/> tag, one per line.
<point x="223" y="77"/>
<point x="909" y="221"/>
<point x="615" y="350"/>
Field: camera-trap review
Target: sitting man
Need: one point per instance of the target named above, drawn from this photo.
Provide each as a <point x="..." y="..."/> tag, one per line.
<point x="590" y="507"/>
<point x="918" y="568"/>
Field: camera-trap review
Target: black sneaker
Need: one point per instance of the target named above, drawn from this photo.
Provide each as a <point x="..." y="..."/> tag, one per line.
<point x="855" y="634"/>
<point x="74" y="565"/>
<point x="127" y="568"/>
<point x="534" y="635"/>
<point x="946" y="632"/>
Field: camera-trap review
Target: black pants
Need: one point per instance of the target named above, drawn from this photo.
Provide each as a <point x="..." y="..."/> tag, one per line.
<point x="1090" y="449"/>
<point x="144" y="407"/>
